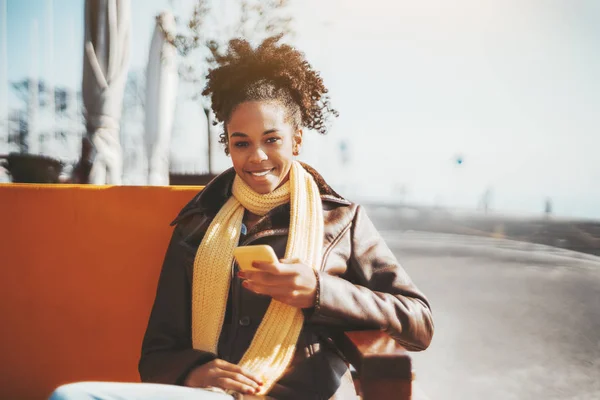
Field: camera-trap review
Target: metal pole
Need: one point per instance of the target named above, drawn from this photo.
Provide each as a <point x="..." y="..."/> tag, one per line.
<point x="33" y="142"/>
<point x="50" y="68"/>
<point x="209" y="140"/>
<point x="72" y="126"/>
<point x="3" y="77"/>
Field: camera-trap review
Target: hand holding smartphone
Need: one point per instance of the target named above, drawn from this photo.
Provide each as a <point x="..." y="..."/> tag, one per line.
<point x="246" y="255"/>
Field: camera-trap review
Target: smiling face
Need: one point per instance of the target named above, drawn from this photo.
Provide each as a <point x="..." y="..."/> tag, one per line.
<point x="262" y="144"/>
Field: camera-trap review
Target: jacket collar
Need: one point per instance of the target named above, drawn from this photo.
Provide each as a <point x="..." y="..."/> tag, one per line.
<point x="215" y="194"/>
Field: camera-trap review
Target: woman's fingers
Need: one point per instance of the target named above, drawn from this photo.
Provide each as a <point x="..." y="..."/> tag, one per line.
<point x="292" y="284"/>
<point x="234" y="368"/>
<point x="231" y="384"/>
<point x="240" y="378"/>
<point x="267" y="278"/>
<point x="276" y="273"/>
<point x="294" y="298"/>
<point x="222" y="374"/>
<point x="279" y="268"/>
<point x="269" y="290"/>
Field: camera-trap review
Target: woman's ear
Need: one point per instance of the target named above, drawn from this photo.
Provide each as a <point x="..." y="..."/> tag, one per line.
<point x="297" y="141"/>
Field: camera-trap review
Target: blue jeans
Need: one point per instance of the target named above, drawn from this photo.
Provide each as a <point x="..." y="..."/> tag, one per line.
<point x="132" y="391"/>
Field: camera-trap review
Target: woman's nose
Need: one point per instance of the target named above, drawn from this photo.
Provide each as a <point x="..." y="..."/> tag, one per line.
<point x="258" y="155"/>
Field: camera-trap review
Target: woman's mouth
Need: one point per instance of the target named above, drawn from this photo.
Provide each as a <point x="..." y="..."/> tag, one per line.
<point x="259" y="174"/>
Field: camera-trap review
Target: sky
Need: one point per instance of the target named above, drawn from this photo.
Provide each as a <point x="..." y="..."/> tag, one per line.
<point x="509" y="87"/>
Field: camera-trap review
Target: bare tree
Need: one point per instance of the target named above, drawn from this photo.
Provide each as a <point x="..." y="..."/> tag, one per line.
<point x="135" y="88"/>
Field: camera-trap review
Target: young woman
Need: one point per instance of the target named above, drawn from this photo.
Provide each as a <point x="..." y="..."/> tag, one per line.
<point x="270" y="331"/>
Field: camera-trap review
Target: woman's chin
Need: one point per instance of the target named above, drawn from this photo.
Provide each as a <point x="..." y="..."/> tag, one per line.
<point x="261" y="186"/>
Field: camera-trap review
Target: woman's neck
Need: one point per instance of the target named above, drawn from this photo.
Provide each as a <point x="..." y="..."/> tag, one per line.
<point x="250" y="219"/>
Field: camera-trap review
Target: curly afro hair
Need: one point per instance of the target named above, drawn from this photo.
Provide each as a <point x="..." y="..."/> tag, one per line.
<point x="271" y="72"/>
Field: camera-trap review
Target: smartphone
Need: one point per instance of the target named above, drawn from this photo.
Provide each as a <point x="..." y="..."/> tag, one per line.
<point x="245" y="255"/>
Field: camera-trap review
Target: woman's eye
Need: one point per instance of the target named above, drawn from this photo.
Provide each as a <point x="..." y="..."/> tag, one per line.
<point x="240" y="144"/>
<point x="273" y="140"/>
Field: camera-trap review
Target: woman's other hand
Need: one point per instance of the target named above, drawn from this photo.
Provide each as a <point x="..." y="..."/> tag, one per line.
<point x="224" y="375"/>
<point x="288" y="281"/>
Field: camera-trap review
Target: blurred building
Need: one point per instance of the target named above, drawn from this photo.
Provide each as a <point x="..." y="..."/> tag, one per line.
<point x="58" y="124"/>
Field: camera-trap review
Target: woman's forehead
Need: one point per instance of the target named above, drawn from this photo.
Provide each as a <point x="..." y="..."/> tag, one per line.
<point x="258" y="114"/>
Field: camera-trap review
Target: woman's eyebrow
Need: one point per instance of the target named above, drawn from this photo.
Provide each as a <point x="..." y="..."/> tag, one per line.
<point x="241" y="134"/>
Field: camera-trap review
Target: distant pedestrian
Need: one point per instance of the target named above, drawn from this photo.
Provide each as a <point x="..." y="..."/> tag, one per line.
<point x="548" y="207"/>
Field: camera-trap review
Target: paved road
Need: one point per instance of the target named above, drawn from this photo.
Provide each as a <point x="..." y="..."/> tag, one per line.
<point x="513" y="320"/>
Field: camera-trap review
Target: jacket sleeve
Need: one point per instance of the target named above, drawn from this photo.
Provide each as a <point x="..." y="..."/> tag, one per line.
<point x="167" y="353"/>
<point x="375" y="292"/>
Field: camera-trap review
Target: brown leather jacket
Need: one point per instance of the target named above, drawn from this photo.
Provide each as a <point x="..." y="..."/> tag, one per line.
<point x="362" y="286"/>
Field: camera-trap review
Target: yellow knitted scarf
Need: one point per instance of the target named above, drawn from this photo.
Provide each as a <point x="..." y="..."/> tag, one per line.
<point x="275" y="340"/>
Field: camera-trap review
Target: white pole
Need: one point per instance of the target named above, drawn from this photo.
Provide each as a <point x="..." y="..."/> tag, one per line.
<point x="3" y="78"/>
<point x="72" y="127"/>
<point x="32" y="109"/>
<point x="161" y="92"/>
<point x="50" y="70"/>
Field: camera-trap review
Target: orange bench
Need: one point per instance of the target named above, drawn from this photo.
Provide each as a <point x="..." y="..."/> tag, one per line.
<point x="79" y="268"/>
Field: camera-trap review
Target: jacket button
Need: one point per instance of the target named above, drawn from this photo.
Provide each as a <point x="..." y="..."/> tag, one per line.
<point x="245" y="321"/>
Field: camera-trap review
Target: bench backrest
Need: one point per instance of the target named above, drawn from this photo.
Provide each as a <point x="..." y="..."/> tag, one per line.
<point x="78" y="272"/>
